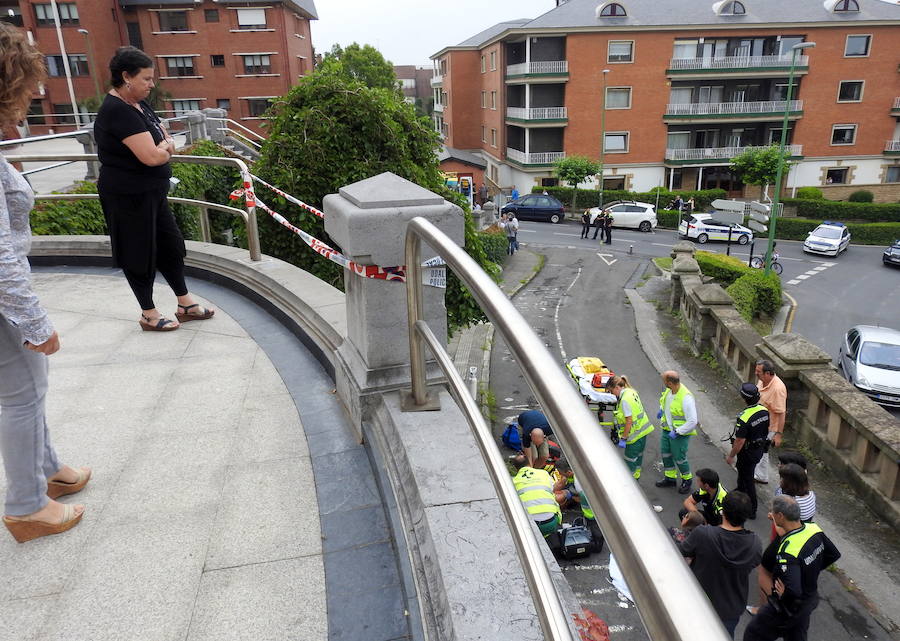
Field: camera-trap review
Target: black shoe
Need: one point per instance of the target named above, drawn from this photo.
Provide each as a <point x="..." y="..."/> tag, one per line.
<point x="685" y="487"/>
<point x="666" y="482"/>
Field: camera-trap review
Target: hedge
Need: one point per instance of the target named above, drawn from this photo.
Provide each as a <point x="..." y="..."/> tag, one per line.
<point x="69" y="217"/>
<point x="725" y="269"/>
<point x="591" y="197"/>
<point x="754" y="293"/>
<point x="668" y="218"/>
<point x="860" y="233"/>
<point x="845" y="212"/>
<point x="495" y="244"/>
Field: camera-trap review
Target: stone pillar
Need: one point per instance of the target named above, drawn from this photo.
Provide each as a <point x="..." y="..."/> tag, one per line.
<point x="213" y="126"/>
<point x="90" y="147"/>
<point x="489" y="213"/>
<point x="684" y="269"/>
<point x="368" y="220"/>
<point x="196" y="121"/>
<point x="703" y="328"/>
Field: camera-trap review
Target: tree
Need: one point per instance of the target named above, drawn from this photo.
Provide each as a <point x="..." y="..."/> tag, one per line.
<point x="574" y="170"/>
<point x="331" y="130"/>
<point x="363" y="63"/>
<point x="760" y="166"/>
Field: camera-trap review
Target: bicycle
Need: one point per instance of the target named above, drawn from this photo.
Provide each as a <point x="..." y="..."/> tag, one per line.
<point x="758" y="262"/>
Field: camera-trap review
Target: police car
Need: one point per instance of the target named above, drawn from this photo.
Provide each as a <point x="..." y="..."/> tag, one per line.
<point x="705" y="227"/>
<point x="828" y="238"/>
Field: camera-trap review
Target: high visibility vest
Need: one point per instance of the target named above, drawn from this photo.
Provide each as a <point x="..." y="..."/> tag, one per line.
<point x="746" y="417"/>
<point x="721" y="493"/>
<point x="676" y="409"/>
<point x="793" y="542"/>
<point x="535" y="489"/>
<point x="640" y="424"/>
<point x="586" y="510"/>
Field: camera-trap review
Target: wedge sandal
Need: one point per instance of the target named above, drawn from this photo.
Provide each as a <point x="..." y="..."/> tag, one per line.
<point x="24" y="530"/>
<point x="160" y="324"/>
<point x="55" y="489"/>
<point x="184" y="316"/>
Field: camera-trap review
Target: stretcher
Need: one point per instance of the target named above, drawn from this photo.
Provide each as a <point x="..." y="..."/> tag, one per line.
<point x="590" y="375"/>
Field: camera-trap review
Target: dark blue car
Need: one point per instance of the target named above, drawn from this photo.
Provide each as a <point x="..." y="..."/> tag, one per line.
<point x="536" y="207"/>
<point x="891" y="255"/>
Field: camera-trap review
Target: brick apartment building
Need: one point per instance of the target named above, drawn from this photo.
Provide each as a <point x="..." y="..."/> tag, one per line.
<point x="208" y="53"/>
<point x="690" y="83"/>
<point x="416" y="84"/>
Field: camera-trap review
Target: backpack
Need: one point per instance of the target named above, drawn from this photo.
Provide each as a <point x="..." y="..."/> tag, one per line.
<point x="511" y="437"/>
<point x="576" y="540"/>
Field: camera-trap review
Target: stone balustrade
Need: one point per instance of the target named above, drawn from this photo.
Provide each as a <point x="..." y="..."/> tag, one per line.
<point x="853" y="435"/>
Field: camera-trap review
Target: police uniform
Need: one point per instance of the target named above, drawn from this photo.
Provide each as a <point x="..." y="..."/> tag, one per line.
<point x="710" y="506"/>
<point x="753" y="426"/>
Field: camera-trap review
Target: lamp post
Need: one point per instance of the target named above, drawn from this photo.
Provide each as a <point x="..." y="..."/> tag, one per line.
<point x="602" y="132"/>
<point x="76" y="116"/>
<point x="784" y="129"/>
<point x="92" y="68"/>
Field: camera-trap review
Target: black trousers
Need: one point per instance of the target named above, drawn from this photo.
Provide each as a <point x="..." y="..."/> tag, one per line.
<point x="596" y="230"/>
<point x="746" y="463"/>
<point x="145" y="238"/>
<point x="768" y="625"/>
<point x="585" y="228"/>
<point x="607" y="231"/>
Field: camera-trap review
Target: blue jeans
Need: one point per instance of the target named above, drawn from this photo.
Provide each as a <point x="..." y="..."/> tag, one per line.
<point x="28" y="456"/>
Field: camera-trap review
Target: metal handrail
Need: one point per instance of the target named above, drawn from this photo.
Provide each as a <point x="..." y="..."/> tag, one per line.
<point x="250" y="218"/>
<point x="650" y="563"/>
<point x="235" y="122"/>
<point x="241" y="136"/>
<point x="22" y="141"/>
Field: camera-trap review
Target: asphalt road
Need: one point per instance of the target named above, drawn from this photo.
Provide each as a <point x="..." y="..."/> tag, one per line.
<point x="832" y="294"/>
<point x="577" y="304"/>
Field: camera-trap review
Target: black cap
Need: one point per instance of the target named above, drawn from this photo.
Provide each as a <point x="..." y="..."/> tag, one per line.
<point x="749" y="392"/>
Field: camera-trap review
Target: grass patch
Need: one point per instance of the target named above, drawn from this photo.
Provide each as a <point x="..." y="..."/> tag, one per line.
<point x="710" y="360"/>
<point x="540" y="264"/>
<point x="664" y="262"/>
<point x="488" y="403"/>
<point x="763" y="326"/>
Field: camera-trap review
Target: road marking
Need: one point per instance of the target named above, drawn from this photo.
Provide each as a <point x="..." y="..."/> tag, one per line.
<point x="556" y="233"/>
<point x="820" y="268"/>
<point x="793" y="282"/>
<point x="559" y="303"/>
<point x="802" y="276"/>
<point x="603" y="257"/>
<point x="662" y="244"/>
<point x="528" y="231"/>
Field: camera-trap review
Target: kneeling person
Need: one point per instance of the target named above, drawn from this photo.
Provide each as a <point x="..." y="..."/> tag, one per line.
<point x="535" y="489"/>
<point x="708" y="499"/>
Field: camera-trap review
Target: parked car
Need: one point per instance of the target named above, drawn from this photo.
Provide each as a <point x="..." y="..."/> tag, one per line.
<point x="869" y="358"/>
<point x="891" y="255"/>
<point x="705" y="227"/>
<point x="629" y="213"/>
<point x="536" y="207"/>
<point x="828" y="238"/>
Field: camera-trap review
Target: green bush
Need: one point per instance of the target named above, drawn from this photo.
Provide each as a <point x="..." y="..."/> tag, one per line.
<point x="591" y="197"/>
<point x="810" y="193"/>
<point x="861" y="196"/>
<point x="754" y="293"/>
<point x="69" y="217"/>
<point x="860" y="233"/>
<point x="845" y="212"/>
<point x="494" y="243"/>
<point x="668" y="218"/>
<point x="725" y="269"/>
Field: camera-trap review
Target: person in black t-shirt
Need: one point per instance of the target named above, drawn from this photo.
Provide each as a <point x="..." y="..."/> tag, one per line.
<point x="134" y="151"/>
<point x="748" y="441"/>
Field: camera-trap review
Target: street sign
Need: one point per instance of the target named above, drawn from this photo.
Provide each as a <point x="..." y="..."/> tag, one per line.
<point x="755" y="215"/>
<point x="760" y="207"/>
<point x="729" y="217"/>
<point x="755" y="226"/>
<point x="728" y="205"/>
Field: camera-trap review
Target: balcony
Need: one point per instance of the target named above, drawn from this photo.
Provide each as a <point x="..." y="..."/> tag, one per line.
<point x="758" y="66"/>
<point x="895" y="109"/>
<point x="763" y="110"/>
<point x="439" y="107"/>
<point x="436" y="80"/>
<point x="892" y="148"/>
<point x="552" y="70"/>
<point x="537" y="115"/>
<point x="717" y="154"/>
<point x="533" y="159"/>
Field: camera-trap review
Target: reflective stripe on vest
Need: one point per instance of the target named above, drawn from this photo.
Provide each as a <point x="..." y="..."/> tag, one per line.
<point x="793" y="542"/>
<point x="640" y="424"/>
<point x="746" y="417"/>
<point x="586" y="510"/>
<point x="535" y="490"/>
<point x="676" y="409"/>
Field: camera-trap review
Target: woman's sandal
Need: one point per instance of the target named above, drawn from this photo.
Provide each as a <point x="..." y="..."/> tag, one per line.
<point x="183" y="316"/>
<point x="158" y="324"/>
<point x="24" y="530"/>
<point x="55" y="489"/>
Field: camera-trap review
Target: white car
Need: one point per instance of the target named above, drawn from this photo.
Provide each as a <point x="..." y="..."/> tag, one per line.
<point x="869" y="358"/>
<point x="828" y="238"/>
<point x="629" y="213"/>
<point x="705" y="227"/>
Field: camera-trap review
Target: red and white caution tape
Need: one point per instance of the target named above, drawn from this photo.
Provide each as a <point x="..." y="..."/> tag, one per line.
<point x="290" y="198"/>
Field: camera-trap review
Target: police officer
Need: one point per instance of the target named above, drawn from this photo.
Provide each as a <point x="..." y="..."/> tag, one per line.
<point x="631" y="421"/>
<point x="535" y="490"/>
<point x="748" y="441"/>
<point x="678" y="414"/>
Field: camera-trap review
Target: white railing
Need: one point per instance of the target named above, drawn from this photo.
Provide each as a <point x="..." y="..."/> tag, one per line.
<point x="725" y="108"/>
<point x="537" y="113"/>
<point x="736" y="62"/>
<point x="438" y="107"/>
<point x="721" y="152"/>
<point x="436" y="80"/>
<point x="892" y="145"/>
<point x="896" y="103"/>
<point x="544" y="66"/>
<point x="541" y="158"/>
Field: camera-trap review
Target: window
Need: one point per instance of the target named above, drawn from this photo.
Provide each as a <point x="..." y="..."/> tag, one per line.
<point x="620" y="51"/>
<point x="482" y="65"/>
<point x="678" y="140"/>
<point x="611" y="10"/>
<point x="180" y="66"/>
<point x="256" y="107"/>
<point x="493" y="60"/>
<point x="211" y="15"/>
<point x="78" y="66"/>
<point x="842" y="6"/>
<point x="843" y="134"/>
<point x="836" y="176"/>
<point x="64" y="108"/>
<point x="173" y="20"/>
<point x="615" y="142"/>
<point x="618" y="97"/>
<point x="181" y="107"/>
<point x="217" y="60"/>
<point x="484" y="99"/>
<point x="251" y="18"/>
<point x="731" y="8"/>
<point x="134" y="34"/>
<point x="493" y="100"/>
<point x="257" y="63"/>
<point x="850" y="91"/>
<point x="68" y="14"/>
<point x="483" y="133"/>
<point x="36" y="113"/>
<point x="775" y="136"/>
<point x="891" y="174"/>
<point x="223" y="103"/>
<point x="857" y="46"/>
<point x="407" y="83"/>
<point x="493" y="137"/>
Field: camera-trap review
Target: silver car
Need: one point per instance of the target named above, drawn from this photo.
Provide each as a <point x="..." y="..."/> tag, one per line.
<point x="870" y="359"/>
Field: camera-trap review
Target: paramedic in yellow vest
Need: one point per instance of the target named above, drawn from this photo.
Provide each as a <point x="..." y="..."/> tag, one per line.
<point x="588" y="515"/>
<point x="678" y="416"/>
<point x="535" y="490"/>
<point x="631" y="421"/>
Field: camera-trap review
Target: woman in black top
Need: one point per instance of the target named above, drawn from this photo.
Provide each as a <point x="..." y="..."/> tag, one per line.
<point x="134" y="152"/>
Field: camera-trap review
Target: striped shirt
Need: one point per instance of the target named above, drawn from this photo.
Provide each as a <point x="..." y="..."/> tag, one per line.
<point x="807" y="504"/>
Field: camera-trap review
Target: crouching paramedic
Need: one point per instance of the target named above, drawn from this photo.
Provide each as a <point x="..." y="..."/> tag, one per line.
<point x="535" y="490"/>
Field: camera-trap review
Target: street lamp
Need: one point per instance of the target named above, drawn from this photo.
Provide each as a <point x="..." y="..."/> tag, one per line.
<point x="92" y="68"/>
<point x="602" y="133"/>
<point x="65" y="60"/>
<point x="784" y="129"/>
